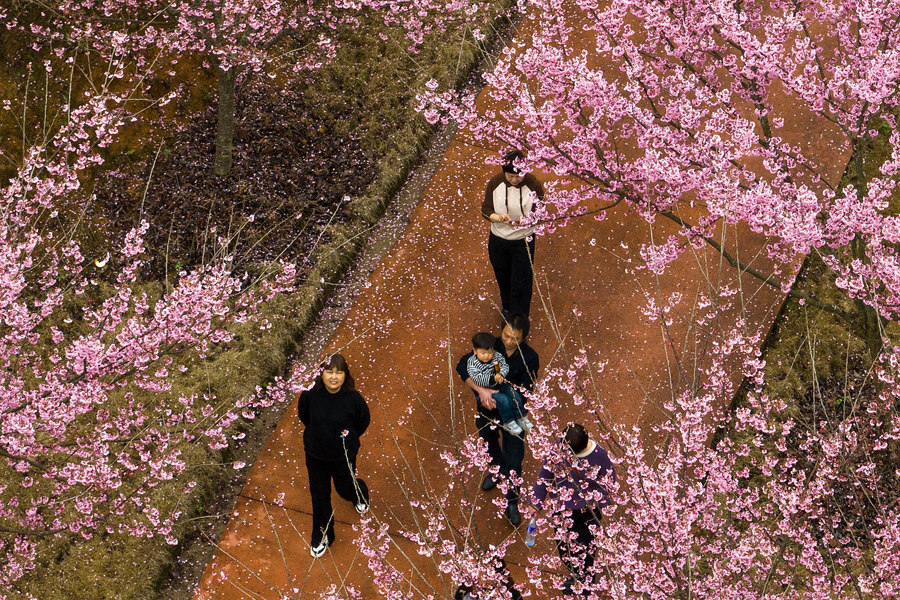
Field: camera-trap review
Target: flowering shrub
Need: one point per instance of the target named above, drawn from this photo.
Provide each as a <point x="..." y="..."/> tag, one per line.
<point x="88" y="427"/>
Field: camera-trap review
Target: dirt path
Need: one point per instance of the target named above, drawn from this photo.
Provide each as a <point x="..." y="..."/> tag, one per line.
<point x="414" y="319"/>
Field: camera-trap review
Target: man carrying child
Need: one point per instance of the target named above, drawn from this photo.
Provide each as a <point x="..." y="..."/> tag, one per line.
<point x="522" y="362"/>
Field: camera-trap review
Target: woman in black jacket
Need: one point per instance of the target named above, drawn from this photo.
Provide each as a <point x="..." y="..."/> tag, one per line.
<point x="335" y="415"/>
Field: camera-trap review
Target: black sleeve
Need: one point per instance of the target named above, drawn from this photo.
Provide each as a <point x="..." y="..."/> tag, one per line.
<point x="303" y="407"/>
<point x="462" y="367"/>
<point x="487" y="206"/>
<point x="363" y="417"/>
<point x="532" y="363"/>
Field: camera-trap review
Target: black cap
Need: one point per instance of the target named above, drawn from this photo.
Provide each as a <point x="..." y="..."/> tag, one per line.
<point x="509" y="162"/>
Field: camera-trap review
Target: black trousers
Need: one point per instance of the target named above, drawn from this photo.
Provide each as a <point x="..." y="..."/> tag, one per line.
<point x="578" y="556"/>
<point x="509" y="456"/>
<point x="512" y="260"/>
<point x="321" y="472"/>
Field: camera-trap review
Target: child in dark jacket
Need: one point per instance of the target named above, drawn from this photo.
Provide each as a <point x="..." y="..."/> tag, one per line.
<point x="488" y="368"/>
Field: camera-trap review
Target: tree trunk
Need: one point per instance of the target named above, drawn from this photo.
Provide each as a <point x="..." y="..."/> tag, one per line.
<point x="225" y="125"/>
<point x="873" y="328"/>
<point x="870" y="324"/>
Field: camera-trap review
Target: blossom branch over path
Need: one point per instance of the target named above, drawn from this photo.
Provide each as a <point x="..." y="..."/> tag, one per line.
<point x="232" y="37"/>
<point x="698" y="113"/>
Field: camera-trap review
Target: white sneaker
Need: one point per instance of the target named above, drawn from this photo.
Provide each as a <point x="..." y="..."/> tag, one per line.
<point x="317" y="551"/>
<point x="512" y="427"/>
<point x="362" y="508"/>
<point x="525" y="424"/>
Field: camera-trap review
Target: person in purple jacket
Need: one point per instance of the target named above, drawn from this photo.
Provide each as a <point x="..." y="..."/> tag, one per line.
<point x="581" y="481"/>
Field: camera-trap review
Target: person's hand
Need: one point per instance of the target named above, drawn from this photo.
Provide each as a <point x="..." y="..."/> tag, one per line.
<point x="501" y="218"/>
<point x="485" y="396"/>
<point x="498" y="378"/>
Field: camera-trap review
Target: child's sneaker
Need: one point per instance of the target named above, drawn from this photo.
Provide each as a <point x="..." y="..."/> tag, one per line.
<point x="319" y="550"/>
<point x="525" y="424"/>
<point x="362" y="507"/>
<point x="513" y="427"/>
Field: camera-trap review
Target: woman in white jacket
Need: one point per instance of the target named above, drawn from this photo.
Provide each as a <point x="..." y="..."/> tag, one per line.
<point x="511" y="195"/>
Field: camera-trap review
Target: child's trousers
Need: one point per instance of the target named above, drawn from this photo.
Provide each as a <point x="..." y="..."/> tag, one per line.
<point x="510" y="403"/>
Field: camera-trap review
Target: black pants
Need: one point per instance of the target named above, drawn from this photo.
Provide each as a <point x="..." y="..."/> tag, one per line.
<point x="509" y="456"/>
<point x="321" y="472"/>
<point x="512" y="268"/>
<point x="578" y="556"/>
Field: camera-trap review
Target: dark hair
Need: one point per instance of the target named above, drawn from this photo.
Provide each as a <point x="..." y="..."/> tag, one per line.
<point x="335" y="361"/>
<point x="483" y="341"/>
<point x="518" y="323"/>
<point x="576" y="437"/>
<point x="509" y="162"/>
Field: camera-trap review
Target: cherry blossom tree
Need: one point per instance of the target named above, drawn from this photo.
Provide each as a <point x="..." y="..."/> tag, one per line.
<point x="90" y="427"/>
<point x="684" y="111"/>
<point x="232" y="37"/>
<point x="226" y="36"/>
